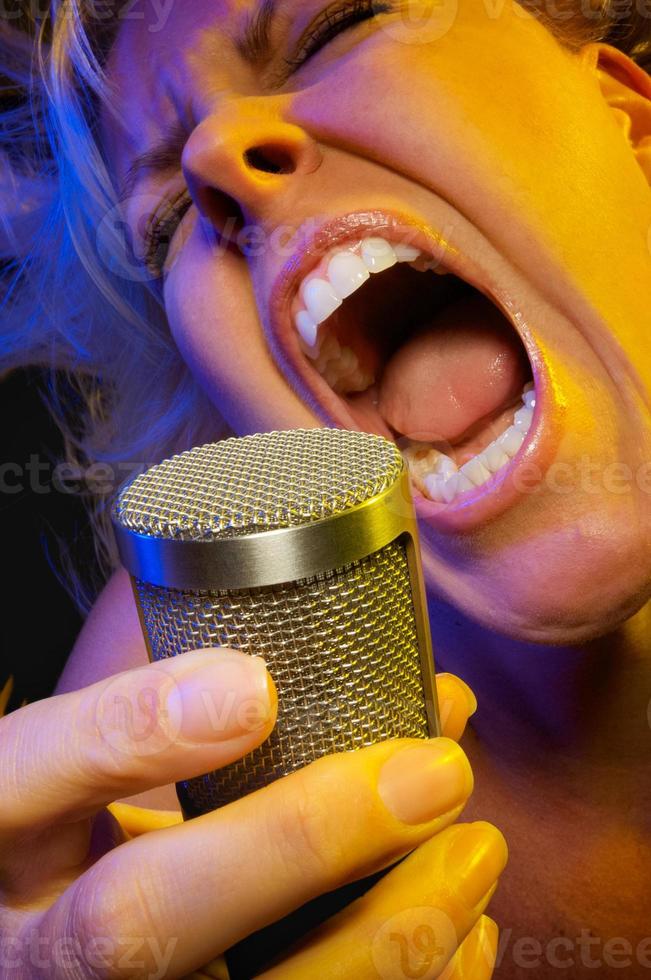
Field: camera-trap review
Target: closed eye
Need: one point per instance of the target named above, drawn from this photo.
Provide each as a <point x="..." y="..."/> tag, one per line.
<point x="334" y="20"/>
<point x="161" y="228"/>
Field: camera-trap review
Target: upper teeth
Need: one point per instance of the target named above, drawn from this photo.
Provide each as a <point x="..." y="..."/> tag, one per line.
<point x="338" y="276"/>
<point x="346" y="273"/>
<point x="342" y="272"/>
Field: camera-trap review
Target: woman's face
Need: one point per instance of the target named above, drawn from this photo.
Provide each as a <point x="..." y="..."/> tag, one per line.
<point x="462" y="129"/>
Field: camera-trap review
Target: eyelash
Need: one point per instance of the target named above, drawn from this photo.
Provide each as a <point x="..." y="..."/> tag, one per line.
<point x="335" y="19"/>
<point x="160" y="230"/>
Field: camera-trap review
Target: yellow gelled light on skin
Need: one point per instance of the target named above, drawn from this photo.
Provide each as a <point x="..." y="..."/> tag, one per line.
<point x="136" y="820"/>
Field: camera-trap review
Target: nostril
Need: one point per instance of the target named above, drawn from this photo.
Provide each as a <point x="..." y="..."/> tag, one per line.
<point x="270" y="160"/>
<point x="224" y="212"/>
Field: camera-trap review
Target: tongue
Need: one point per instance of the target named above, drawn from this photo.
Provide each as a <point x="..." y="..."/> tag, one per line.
<point x="462" y="367"/>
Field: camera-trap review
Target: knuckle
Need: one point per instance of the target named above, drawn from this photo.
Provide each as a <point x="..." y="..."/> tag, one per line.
<point x="26" y="742"/>
<point x="67" y="928"/>
<point x="89" y="916"/>
<point x="305" y="830"/>
<point x="105" y="913"/>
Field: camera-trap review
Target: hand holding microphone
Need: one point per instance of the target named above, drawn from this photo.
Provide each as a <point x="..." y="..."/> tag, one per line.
<point x="79" y="900"/>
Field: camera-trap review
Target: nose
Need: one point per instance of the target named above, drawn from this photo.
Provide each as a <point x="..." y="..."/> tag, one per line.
<point x="244" y="161"/>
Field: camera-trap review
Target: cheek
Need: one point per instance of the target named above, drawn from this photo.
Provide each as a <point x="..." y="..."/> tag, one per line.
<point x="472" y="88"/>
<point x="214" y="321"/>
<point x="457" y="117"/>
<point x="198" y="300"/>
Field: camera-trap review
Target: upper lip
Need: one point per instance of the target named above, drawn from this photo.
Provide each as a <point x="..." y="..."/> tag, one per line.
<point x="348" y="229"/>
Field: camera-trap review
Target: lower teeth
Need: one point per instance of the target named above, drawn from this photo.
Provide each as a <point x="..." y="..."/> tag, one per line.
<point x="439" y="477"/>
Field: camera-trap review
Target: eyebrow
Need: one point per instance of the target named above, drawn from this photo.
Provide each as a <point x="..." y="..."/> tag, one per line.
<point x="254" y="46"/>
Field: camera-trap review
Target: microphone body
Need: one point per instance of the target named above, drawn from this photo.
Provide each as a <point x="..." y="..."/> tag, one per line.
<point x="301" y="547"/>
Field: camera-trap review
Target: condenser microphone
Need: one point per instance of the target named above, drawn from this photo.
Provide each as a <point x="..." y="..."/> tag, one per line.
<point x="301" y="547"/>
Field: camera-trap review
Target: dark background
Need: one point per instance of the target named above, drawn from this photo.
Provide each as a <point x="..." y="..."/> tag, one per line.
<point x="39" y="619"/>
<point x="37" y="523"/>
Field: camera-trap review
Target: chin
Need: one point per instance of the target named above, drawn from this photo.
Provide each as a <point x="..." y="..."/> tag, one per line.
<point x="568" y="604"/>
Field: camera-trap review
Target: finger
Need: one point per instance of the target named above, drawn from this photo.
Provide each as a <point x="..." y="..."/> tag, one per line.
<point x="212" y="880"/>
<point x="136" y="820"/>
<point x="66" y="756"/>
<point x="475" y="958"/>
<point x="412" y="921"/>
<point x="456" y="704"/>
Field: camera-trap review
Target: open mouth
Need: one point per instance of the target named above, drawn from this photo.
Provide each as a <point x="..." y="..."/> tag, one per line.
<point x="417" y="353"/>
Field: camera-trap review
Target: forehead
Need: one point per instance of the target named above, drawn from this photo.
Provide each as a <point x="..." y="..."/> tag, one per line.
<point x="160" y="27"/>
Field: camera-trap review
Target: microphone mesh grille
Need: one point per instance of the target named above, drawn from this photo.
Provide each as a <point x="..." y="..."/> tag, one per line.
<point x="258" y="483"/>
<point x="343" y="651"/>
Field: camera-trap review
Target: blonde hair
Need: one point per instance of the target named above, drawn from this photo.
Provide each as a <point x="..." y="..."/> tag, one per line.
<point x="72" y="300"/>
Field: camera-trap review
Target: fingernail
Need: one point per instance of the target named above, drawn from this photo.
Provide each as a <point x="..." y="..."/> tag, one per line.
<point x="476" y="857"/>
<point x="425" y="781"/>
<point x="221" y="695"/>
